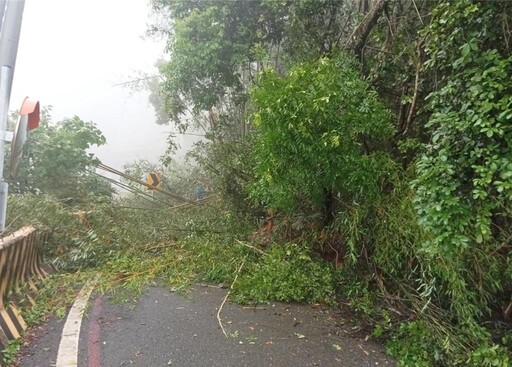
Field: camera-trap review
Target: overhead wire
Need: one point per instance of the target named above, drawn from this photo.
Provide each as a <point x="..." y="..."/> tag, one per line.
<point x="178" y="133"/>
<point x="133" y="179"/>
<point x="114" y="171"/>
<point x="199" y="202"/>
<point x="130" y="189"/>
<point x="136" y="80"/>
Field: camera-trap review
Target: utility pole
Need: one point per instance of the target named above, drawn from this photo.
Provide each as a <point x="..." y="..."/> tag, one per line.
<point x="11" y="14"/>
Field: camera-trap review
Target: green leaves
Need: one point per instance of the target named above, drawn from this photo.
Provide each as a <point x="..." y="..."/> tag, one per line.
<point x="211" y="46"/>
<point x="469" y="157"/>
<point x="464" y="182"/>
<point x="315" y="132"/>
<point x="57" y="163"/>
<point x="286" y="273"/>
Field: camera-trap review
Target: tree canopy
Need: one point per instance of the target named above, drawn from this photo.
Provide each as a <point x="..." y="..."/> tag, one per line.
<point x="57" y="161"/>
<point x="318" y="130"/>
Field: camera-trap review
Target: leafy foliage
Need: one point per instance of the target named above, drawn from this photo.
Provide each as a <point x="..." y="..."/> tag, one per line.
<point x="423" y="350"/>
<point x="72" y="237"/>
<point x="464" y="178"/>
<point x="217" y="46"/>
<point x="318" y="130"/>
<point x="462" y="188"/>
<point x="210" y="41"/>
<point x="286" y="273"/>
<point x="11" y="351"/>
<point x="323" y="143"/>
<point x="404" y="153"/>
<point x="56" y="161"/>
<point x="228" y="166"/>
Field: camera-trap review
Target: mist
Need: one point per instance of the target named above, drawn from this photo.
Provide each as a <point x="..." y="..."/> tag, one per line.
<point x="71" y="55"/>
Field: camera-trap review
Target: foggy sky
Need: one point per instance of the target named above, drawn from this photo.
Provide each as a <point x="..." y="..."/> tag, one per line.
<point x="72" y="52"/>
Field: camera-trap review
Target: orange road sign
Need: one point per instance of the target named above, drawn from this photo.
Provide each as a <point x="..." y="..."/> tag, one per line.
<point x="154" y="180"/>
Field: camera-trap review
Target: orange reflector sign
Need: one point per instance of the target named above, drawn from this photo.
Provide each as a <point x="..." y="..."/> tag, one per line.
<point x="154" y="180"/>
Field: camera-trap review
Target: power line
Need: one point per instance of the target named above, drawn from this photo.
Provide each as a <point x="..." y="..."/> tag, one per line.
<point x="177" y="133"/>
<point x="136" y="80"/>
<point x="131" y="189"/>
<point x="124" y="175"/>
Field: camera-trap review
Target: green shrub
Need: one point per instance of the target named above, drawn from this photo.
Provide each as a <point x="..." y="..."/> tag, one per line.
<point x="432" y="342"/>
<point x="215" y="258"/>
<point x="286" y="273"/>
<point x="412" y="345"/>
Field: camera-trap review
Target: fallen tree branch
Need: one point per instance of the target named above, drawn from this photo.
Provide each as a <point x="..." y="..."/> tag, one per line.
<point x="251" y="247"/>
<point x="226" y="298"/>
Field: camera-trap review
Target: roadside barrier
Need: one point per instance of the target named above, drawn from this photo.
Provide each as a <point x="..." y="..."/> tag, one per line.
<point x="20" y="266"/>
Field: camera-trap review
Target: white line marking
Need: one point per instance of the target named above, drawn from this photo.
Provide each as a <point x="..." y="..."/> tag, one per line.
<point x="68" y="348"/>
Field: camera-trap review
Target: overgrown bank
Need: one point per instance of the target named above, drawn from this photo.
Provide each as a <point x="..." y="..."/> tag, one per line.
<point x="376" y="131"/>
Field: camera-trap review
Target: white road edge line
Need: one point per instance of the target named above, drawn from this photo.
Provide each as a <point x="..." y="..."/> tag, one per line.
<point x="68" y="348"/>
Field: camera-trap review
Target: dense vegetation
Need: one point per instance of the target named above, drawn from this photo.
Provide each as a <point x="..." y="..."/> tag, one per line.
<point x="360" y="150"/>
<point x="378" y="133"/>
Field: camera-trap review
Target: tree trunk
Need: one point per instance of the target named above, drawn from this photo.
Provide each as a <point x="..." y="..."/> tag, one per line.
<point x="329" y="207"/>
<point x="358" y="38"/>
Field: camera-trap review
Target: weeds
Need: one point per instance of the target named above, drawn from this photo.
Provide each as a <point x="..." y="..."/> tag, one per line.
<point x="10" y="352"/>
<point x="428" y="343"/>
<point x="54" y="296"/>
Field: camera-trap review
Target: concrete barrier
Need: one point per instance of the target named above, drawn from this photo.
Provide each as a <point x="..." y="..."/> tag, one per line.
<point x="20" y="266"/>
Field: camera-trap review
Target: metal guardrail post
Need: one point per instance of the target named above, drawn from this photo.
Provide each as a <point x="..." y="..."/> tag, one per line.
<point x="20" y="264"/>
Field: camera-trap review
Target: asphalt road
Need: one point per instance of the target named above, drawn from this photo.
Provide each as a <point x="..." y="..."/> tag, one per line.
<point x="164" y="329"/>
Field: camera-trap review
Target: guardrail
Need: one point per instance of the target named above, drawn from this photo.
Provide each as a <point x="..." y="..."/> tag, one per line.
<point x="20" y="266"/>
